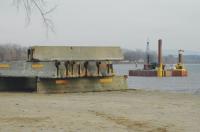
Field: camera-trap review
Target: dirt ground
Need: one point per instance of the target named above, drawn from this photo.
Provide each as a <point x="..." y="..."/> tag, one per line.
<point x="132" y="111"/>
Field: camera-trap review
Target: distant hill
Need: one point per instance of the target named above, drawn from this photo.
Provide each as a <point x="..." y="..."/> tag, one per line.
<point x="175" y="52"/>
<point x="169" y="57"/>
<point x="16" y="52"/>
<point x="194" y="59"/>
<point x="189" y="55"/>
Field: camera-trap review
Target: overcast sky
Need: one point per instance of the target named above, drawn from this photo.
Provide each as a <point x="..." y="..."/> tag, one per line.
<point x="125" y="23"/>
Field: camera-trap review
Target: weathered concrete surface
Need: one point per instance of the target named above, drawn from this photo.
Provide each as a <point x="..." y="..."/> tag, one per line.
<point x="47" y="85"/>
<point x="27" y="69"/>
<point x="81" y="84"/>
<point x="49" y="70"/>
<point x="49" y="53"/>
<point x="17" y="84"/>
<point x="58" y="69"/>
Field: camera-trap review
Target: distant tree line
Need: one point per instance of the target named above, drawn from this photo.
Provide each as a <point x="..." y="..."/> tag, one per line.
<point x="12" y="52"/>
<point x="192" y="59"/>
<point x="140" y="56"/>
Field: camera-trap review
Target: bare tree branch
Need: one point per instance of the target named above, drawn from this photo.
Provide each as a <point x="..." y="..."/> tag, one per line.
<point x="40" y="5"/>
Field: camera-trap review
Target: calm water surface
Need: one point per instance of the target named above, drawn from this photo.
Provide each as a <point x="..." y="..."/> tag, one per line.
<point x="189" y="84"/>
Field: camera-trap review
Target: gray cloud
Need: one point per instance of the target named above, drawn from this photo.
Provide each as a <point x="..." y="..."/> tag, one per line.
<point x="127" y="23"/>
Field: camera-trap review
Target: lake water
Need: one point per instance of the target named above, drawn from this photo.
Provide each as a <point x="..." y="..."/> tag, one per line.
<point x="189" y="84"/>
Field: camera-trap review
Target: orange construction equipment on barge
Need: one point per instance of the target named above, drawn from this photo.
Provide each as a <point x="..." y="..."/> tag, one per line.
<point x="158" y="69"/>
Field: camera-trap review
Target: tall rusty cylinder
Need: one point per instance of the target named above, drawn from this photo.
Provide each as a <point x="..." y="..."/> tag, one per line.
<point x="160" y="63"/>
<point x="159" y="52"/>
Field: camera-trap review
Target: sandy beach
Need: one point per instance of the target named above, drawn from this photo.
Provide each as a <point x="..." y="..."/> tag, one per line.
<point x="119" y="111"/>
